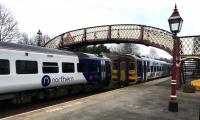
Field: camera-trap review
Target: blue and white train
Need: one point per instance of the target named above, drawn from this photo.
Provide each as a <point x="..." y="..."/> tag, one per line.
<point x="28" y="72"/>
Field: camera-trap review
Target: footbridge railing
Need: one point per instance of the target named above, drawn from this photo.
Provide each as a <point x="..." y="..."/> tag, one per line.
<point x="190" y="46"/>
<point x="120" y="33"/>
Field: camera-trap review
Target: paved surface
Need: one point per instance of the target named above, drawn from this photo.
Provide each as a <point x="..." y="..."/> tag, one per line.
<point x="147" y="101"/>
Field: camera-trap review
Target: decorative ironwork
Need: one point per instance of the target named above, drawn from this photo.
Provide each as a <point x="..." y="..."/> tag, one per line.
<point x="190" y="46"/>
<point x="151" y="36"/>
<point x="122" y="33"/>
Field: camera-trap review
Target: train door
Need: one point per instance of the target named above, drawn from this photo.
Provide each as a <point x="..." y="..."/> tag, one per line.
<point x="123" y="70"/>
<point x="103" y="70"/>
<point x="132" y="72"/>
<point x="148" y="71"/>
<point x="144" y="71"/>
<point x="108" y="71"/>
<point x="139" y="70"/>
<point x="115" y="70"/>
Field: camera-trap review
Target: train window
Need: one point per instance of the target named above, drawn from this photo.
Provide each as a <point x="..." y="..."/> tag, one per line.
<point x="67" y="67"/>
<point x="93" y="68"/>
<point x="148" y="69"/>
<point x="115" y="66"/>
<point x="108" y="69"/>
<point x="151" y="68"/>
<point x="165" y="68"/>
<point x="50" y="67"/>
<point x="148" y="63"/>
<point x="82" y="67"/>
<point x="4" y="67"/>
<point x="154" y="68"/>
<point x="98" y="68"/>
<point x="131" y="66"/>
<point x="103" y="68"/>
<point x="158" y="68"/>
<point x="26" y="67"/>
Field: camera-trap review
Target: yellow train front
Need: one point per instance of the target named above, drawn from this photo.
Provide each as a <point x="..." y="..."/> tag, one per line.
<point x="133" y="69"/>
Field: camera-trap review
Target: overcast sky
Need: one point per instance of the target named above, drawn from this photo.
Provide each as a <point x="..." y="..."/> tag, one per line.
<point x="54" y="17"/>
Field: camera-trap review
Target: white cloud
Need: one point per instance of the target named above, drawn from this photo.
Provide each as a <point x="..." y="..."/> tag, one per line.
<point x="57" y="16"/>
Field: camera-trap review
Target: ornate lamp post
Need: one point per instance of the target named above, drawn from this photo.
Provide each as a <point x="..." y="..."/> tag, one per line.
<point x="39" y="38"/>
<point x="175" y="24"/>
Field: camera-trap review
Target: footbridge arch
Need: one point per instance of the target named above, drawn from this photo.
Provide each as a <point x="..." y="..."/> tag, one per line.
<point x="119" y="33"/>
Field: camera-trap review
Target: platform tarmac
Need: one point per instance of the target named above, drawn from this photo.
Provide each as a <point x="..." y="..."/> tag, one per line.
<point x="146" y="101"/>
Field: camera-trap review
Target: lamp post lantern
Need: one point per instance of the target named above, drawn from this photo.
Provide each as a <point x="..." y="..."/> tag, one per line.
<point x="175" y="24"/>
<point x="39" y="38"/>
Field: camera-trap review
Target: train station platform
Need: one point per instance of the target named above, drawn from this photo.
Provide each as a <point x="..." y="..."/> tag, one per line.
<point x="146" y="101"/>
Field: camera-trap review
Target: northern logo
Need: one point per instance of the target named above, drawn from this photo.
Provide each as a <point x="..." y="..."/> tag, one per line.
<point x="46" y="80"/>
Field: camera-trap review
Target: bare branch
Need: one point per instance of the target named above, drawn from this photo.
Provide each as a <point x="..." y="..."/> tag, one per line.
<point x="8" y="25"/>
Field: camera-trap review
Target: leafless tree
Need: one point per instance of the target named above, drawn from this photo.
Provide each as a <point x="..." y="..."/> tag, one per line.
<point x="153" y="53"/>
<point x="8" y="25"/>
<point x="126" y="48"/>
<point x="45" y="39"/>
<point x="136" y="49"/>
<point x="130" y="48"/>
<point x="25" y="39"/>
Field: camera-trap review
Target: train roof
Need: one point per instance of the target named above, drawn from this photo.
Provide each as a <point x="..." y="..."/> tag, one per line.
<point x="88" y="55"/>
<point x="125" y="56"/>
<point x="29" y="48"/>
<point x="154" y="60"/>
<point x="131" y="56"/>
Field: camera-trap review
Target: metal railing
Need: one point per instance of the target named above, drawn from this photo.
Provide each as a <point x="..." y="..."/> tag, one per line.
<point x="126" y="33"/>
<point x="120" y="33"/>
<point x="190" y="46"/>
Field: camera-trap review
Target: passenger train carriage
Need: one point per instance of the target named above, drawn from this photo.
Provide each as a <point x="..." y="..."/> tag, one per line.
<point x="131" y="68"/>
<point x="27" y="71"/>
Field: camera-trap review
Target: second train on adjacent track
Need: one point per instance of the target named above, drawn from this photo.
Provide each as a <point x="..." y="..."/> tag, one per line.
<point x="135" y="69"/>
